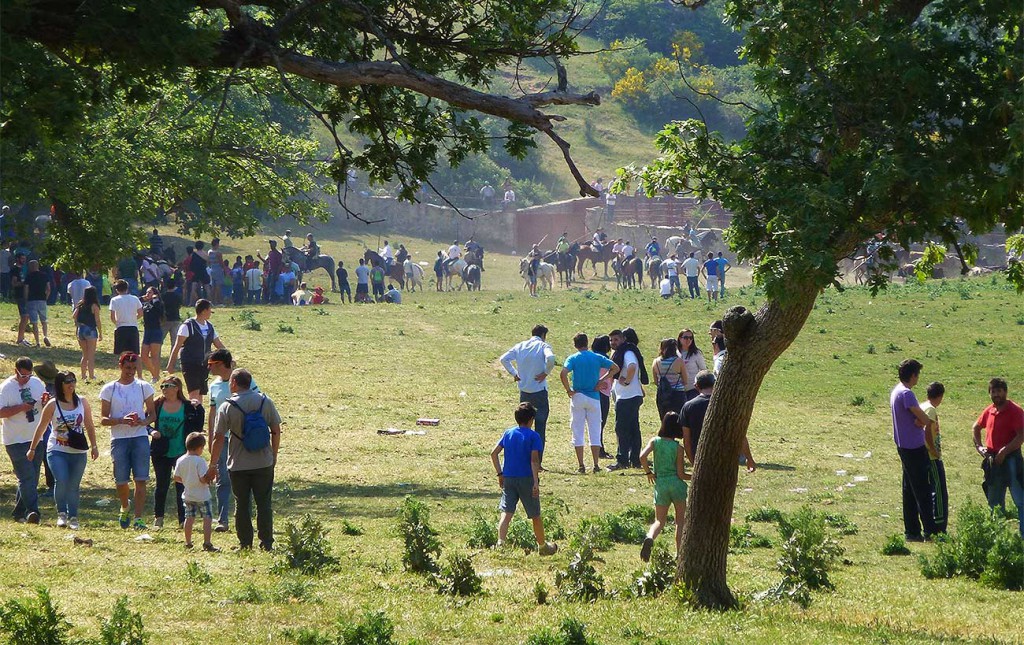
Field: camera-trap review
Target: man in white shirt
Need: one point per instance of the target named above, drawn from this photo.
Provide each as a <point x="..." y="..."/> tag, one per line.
<point x="125" y="311"/>
<point x="454" y="252"/>
<point x="534" y="359"/>
<point x="629" y="396"/>
<point x="127" y="409"/>
<point x="671" y="268"/>
<point x="150" y="273"/>
<point x="21" y="403"/>
<point x="195" y="340"/>
<point x="253" y="284"/>
<point x="627" y="250"/>
<point x="609" y="206"/>
<point x="76" y="290"/>
<point x="617" y="248"/>
<point x="691" y="266"/>
<point x="666" y="288"/>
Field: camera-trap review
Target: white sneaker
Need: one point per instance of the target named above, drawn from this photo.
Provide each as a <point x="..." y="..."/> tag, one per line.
<point x="62" y="520"/>
<point x="73" y="523"/>
<point x="158" y="522"/>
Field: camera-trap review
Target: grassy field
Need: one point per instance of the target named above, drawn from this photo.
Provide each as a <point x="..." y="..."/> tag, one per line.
<point x="821" y="432"/>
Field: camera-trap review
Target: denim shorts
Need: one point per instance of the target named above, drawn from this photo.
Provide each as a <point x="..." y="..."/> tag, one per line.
<point x="85" y="332"/>
<point x="198" y="509"/>
<point x="153" y="336"/>
<point x="130" y="457"/>
<point x="520" y="489"/>
<point x="36" y="310"/>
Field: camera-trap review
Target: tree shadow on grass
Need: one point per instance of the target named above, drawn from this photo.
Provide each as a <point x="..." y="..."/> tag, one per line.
<point x="297" y="496"/>
<point x="63" y="358"/>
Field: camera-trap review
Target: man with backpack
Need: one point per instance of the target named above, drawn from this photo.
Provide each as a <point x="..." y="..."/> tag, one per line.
<point x="251" y="426"/>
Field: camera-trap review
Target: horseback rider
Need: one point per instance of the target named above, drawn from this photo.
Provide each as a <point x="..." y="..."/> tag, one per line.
<point x="388" y="255"/>
<point x="401" y="255"/>
<point x="563" y="245"/>
<point x="600" y="239"/>
<point x="312" y="252"/>
<point x="627" y="250"/>
<point x="287" y="239"/>
<point x="474" y="247"/>
<point x="454" y="253"/>
<point x="653" y="248"/>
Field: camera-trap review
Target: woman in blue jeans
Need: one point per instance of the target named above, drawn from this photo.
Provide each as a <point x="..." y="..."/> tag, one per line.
<point x="72" y="435"/>
<point x="176" y="417"/>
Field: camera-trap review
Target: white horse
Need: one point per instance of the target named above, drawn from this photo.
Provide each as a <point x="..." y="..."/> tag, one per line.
<point x="413" y="274"/>
<point x="545" y="274"/>
<point x="454" y="269"/>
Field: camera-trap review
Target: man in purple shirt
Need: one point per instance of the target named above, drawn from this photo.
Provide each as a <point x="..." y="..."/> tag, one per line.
<point x="908" y="424"/>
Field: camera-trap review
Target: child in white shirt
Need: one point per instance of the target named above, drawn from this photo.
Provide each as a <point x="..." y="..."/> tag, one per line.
<point x="192" y="472"/>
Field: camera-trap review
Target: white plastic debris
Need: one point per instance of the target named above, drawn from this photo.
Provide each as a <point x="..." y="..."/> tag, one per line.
<point x="145" y="537"/>
<point x="860" y="478"/>
<point x="840" y="473"/>
<point x="103" y="502"/>
<point x="495" y="573"/>
<point x="462" y="394"/>
<point x="848" y="455"/>
<point x="798" y="490"/>
<point x="867" y="455"/>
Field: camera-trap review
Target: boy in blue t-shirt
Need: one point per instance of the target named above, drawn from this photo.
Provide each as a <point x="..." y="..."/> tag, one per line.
<point x="519" y="477"/>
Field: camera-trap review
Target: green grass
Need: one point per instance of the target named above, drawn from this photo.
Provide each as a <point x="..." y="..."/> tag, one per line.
<point x="339" y="378"/>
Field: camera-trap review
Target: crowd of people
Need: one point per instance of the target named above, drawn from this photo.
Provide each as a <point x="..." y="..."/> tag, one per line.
<point x="610" y="370"/>
<point x="46" y="425"/>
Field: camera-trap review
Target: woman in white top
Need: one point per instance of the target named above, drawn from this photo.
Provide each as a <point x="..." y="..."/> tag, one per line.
<point x="693" y="358"/>
<point x="70" y="419"/>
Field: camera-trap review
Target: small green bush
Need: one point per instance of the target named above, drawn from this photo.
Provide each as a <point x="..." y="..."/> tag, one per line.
<point x="656" y="577"/>
<point x="249" y="321"/>
<point x="32" y="621"/>
<point x="520" y="534"/>
<point x="553" y="529"/>
<point x="458" y="577"/>
<point x="642" y="513"/>
<point x="602" y="531"/>
<point x="764" y="514"/>
<point x="983" y="547"/>
<point x="124" y="627"/>
<point x="422" y="547"/>
<point x="570" y="632"/>
<point x="808" y="551"/>
<point x="483" y="533"/>
<point x="348" y="528"/>
<point x="743" y="537"/>
<point x="895" y="545"/>
<point x="374" y="629"/>
<point x="197" y="573"/>
<point x="540" y="593"/>
<point x="285" y="329"/>
<point x="841" y="523"/>
<point x="1004" y="568"/>
<point x="580" y="581"/>
<point x="306" y="548"/>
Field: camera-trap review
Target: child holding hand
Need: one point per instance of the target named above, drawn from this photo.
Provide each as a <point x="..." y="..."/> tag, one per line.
<point x="192" y="472"/>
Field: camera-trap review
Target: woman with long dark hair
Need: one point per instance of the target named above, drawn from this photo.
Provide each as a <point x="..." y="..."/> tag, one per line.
<point x="602" y="345"/>
<point x="669" y="366"/>
<point x="72" y="435"/>
<point x="152" y="331"/>
<point x="693" y="358"/>
<point x="176" y="417"/>
<point x="89" y="330"/>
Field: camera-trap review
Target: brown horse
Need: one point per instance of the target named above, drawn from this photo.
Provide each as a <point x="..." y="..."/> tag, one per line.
<point x="594" y="254"/>
<point x="630" y="274"/>
<point x="396" y="272"/>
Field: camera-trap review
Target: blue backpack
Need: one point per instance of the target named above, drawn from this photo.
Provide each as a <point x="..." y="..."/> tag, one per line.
<point x="255" y="431"/>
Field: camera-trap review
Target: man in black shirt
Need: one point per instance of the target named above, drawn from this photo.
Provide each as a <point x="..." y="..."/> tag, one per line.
<point x="343" y="286"/>
<point x="693" y="413"/>
<point x="37" y="290"/>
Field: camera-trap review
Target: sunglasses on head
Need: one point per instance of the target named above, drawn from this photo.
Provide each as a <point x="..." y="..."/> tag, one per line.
<point x="131" y="358"/>
<point x="70" y="380"/>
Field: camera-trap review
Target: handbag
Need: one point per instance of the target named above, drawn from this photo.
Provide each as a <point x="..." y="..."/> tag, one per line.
<point x="159" y="446"/>
<point x="76" y="440"/>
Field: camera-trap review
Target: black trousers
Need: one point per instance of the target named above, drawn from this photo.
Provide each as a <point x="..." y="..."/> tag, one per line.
<point x="253" y="486"/>
<point x="539" y="400"/>
<point x="917" y="492"/>
<point x="627" y="431"/>
<point x="163" y="468"/>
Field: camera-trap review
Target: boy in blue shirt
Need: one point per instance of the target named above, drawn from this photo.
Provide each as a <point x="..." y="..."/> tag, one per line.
<point x="519" y="477"/>
<point x="710" y="271"/>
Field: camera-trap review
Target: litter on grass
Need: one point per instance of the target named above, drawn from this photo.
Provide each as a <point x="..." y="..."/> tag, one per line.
<point x="392" y="432"/>
<point x="860" y="478"/>
<point x="145" y="537"/>
<point x="426" y="421"/>
<point x="840" y="473"/>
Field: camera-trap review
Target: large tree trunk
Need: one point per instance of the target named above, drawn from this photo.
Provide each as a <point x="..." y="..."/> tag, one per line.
<point x="754" y="342"/>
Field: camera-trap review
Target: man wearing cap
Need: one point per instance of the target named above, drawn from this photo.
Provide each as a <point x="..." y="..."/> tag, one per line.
<point x="127" y="409"/>
<point x="196" y="338"/>
<point x="21" y="403"/>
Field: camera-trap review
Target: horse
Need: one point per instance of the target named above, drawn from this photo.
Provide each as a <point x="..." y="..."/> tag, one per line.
<point x="631" y="273"/>
<point x="564" y="263"/>
<point x="545" y="274"/>
<point x="414" y="273"/>
<point x="396" y="272"/>
<point x="322" y="261"/>
<point x="471" y="277"/>
<point x="595" y="254"/>
<point x="454" y="269"/>
<point x="654" y="271"/>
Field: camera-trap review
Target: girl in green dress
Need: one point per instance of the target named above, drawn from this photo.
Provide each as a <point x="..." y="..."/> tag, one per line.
<point x="669" y="478"/>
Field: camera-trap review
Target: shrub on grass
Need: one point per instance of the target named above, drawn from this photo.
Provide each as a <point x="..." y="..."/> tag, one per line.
<point x="601" y="531"/>
<point x="374" y="629"/>
<point x="580" y="581"/>
<point x="306" y="548"/>
<point x="348" y="528"/>
<point x="983" y="546"/>
<point x="764" y="514"/>
<point x="656" y="577"/>
<point x="124" y="626"/>
<point x="895" y="545"/>
<point x="841" y="523"/>
<point x="249" y="321"/>
<point x="458" y="577"/>
<point x="483" y="533"/>
<point x="808" y="551"/>
<point x="34" y="620"/>
<point x="540" y="593"/>
<point x="422" y="547"/>
<point x="570" y="632"/>
<point x="743" y="537"/>
<point x="197" y="573"/>
<point x="520" y="534"/>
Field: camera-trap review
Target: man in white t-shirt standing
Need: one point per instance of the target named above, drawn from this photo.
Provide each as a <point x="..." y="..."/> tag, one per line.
<point x="196" y="339"/>
<point x="21" y="403"/>
<point x="76" y="290"/>
<point x="127" y="408"/>
<point x="671" y="268"/>
<point x="125" y="311"/>
<point x="691" y="266"/>
<point x="629" y="396"/>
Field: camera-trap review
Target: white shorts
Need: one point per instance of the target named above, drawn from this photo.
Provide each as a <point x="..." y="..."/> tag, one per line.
<point x="585" y="410"/>
<point x="712" y="283"/>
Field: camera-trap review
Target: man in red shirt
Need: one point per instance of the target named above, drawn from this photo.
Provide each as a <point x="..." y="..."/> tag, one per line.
<point x="1003" y="423"/>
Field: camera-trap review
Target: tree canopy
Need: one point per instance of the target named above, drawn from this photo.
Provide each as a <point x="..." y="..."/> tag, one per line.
<point x="203" y="79"/>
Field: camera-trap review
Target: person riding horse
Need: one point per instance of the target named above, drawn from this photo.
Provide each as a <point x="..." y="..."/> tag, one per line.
<point x="402" y="255"/>
<point x="311" y="251"/>
<point x="653" y="248"/>
<point x="387" y="255"/>
<point x="600" y="239"/>
<point x="477" y="250"/>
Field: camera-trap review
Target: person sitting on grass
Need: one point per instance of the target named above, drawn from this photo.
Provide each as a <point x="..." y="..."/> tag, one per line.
<point x="669" y="478"/>
<point x="192" y="472"/>
<point x="519" y="476"/>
